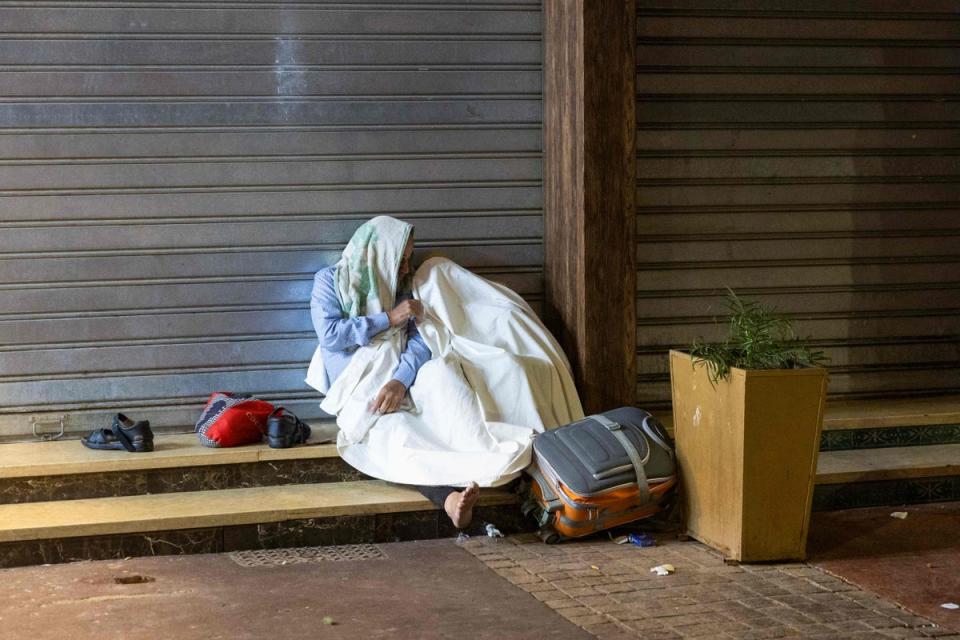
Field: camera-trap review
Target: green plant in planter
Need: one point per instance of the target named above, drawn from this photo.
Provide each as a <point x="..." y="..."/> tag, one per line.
<point x="759" y="339"/>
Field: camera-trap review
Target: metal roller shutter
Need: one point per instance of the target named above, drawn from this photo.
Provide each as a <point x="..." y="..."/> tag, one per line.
<point x="172" y="174"/>
<point x="804" y="155"/>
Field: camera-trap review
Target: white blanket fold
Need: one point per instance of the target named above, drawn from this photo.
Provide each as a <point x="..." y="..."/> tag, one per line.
<point x="496" y="378"/>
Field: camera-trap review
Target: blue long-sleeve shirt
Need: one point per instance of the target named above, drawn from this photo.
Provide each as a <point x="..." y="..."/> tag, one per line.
<point x="340" y="337"/>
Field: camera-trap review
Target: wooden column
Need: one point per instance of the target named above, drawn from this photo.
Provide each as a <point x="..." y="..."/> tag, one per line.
<point x="589" y="191"/>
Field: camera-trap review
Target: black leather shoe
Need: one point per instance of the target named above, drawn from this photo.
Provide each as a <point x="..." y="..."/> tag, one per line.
<point x="124" y="433"/>
<point x="285" y="429"/>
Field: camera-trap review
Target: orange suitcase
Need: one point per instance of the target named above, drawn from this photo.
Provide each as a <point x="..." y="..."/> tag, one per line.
<point x="605" y="470"/>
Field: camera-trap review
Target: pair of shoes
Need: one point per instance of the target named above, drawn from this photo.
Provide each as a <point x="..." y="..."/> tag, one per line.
<point x="124" y="433"/>
<point x="285" y="429"/>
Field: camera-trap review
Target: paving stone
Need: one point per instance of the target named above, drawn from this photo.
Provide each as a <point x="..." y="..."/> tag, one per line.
<point x="607" y="630"/>
<point x="660" y="634"/>
<point x="673" y="612"/>
<point x="546" y="594"/>
<point x="910" y="620"/>
<point x="587" y="573"/>
<point x="712" y="630"/>
<point x="793" y="618"/>
<point x="616" y="587"/>
<point x="903" y="632"/>
<point x="767" y="589"/>
<point x="700" y="618"/>
<point x="595" y="579"/>
<point x="612" y="608"/>
<point x="567" y="583"/>
<point x="632" y="615"/>
<point x="578" y="611"/>
<point x="518" y="576"/>
<point x="704" y="599"/>
<point x="850" y="626"/>
<point x="499" y="564"/>
<point x="589" y="619"/>
<point x="878" y="621"/>
<point x="594" y="601"/>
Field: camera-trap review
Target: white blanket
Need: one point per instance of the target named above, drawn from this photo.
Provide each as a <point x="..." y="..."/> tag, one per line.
<point x="496" y="378"/>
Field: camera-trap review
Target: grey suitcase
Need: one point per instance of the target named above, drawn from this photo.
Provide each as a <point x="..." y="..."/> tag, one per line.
<point x="605" y="470"/>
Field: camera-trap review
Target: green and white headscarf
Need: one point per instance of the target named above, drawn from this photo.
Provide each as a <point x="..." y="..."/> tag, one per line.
<point x="366" y="275"/>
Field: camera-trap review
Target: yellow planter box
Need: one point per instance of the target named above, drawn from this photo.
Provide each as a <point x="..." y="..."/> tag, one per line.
<point x="747" y="450"/>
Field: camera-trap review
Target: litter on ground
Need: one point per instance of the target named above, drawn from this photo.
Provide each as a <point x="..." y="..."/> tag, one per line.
<point x="899" y="515"/>
<point x="642" y="539"/>
<point x="950" y="605"/>
<point x="663" y="569"/>
<point x="493" y="532"/>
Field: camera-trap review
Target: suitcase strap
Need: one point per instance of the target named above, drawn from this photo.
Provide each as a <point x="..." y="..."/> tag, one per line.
<point x="616" y="430"/>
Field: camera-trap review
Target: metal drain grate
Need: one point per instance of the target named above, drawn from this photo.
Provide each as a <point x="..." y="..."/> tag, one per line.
<point x="307" y="555"/>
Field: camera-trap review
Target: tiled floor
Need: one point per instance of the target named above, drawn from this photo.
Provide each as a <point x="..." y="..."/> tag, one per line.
<point x="608" y="590"/>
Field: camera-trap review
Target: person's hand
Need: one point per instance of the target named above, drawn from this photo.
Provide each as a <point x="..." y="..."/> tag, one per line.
<point x="389" y="398"/>
<point x="404" y="311"/>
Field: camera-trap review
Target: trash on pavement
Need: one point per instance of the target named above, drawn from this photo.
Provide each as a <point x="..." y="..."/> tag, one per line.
<point x="493" y="532"/>
<point x="663" y="569"/>
<point x="950" y="605"/>
<point x="642" y="539"/>
<point x="620" y="539"/>
<point x="899" y="515"/>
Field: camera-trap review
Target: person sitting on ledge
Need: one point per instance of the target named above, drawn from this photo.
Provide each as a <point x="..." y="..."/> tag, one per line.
<point x="340" y="335"/>
<point x="440" y="378"/>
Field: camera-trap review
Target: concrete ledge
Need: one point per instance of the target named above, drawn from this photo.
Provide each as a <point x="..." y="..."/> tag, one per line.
<point x="892" y="463"/>
<point x="69" y="457"/>
<point x="204" y="509"/>
<point x="900" y="412"/>
<point x="877" y="414"/>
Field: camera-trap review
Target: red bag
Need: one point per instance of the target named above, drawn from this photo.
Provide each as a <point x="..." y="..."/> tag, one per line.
<point x="232" y="420"/>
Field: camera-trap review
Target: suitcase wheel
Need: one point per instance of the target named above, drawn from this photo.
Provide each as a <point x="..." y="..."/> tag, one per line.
<point x="548" y="535"/>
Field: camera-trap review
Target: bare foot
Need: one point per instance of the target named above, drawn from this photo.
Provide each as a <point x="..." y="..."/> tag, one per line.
<point x="459" y="505"/>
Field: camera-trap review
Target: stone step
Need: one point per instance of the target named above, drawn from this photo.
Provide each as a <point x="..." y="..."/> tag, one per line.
<point x="66" y="470"/>
<point x="873" y="424"/>
<point x="897" y="412"/>
<point x="894" y="463"/>
<point x="214" y="521"/>
<point x="868" y="424"/>
<point x="887" y="476"/>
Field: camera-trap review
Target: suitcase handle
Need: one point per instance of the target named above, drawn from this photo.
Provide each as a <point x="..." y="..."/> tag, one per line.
<point x="617" y="431"/>
<point x="652" y="433"/>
